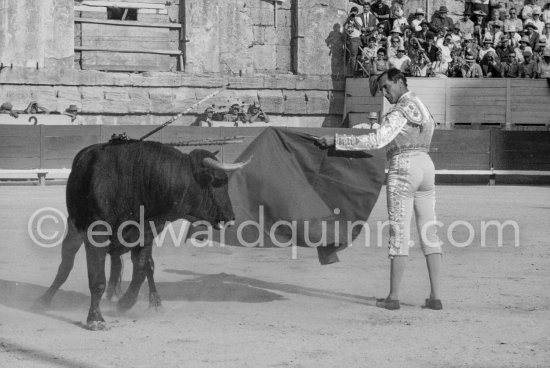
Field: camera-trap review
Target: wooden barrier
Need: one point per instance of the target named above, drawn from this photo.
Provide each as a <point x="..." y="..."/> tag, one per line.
<point x="497" y="102"/>
<point x="31" y="151"/>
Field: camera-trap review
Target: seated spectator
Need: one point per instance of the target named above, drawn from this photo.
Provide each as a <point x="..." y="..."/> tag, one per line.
<point x="399" y="20"/>
<point x="478" y="34"/>
<point x="380" y="33"/>
<point x="381" y="63"/>
<point x="543" y="69"/>
<point x="497" y="34"/>
<point x="528" y="9"/>
<point x="523" y="47"/>
<point x="538" y="22"/>
<point x="235" y="115"/>
<point x="545" y="17"/>
<point x="420" y="62"/>
<point x="491" y="67"/>
<point x="541" y="46"/>
<point x="479" y="20"/>
<point x="255" y="113"/>
<point x="418" y="18"/>
<point x="381" y="10"/>
<point x="510" y="68"/>
<point x="440" y="20"/>
<point x="205" y="120"/>
<point x="513" y="20"/>
<point x="470" y="47"/>
<point x="395" y="33"/>
<point x="513" y="35"/>
<point x="528" y="67"/>
<point x="446" y="48"/>
<point x="465" y="23"/>
<point x="546" y="31"/>
<point x="401" y="61"/>
<point x="471" y="69"/>
<point x="394" y="46"/>
<point x="424" y="34"/>
<point x="480" y="6"/>
<point x="454" y="69"/>
<point x="456" y="37"/>
<point x="495" y="15"/>
<point x="487" y="42"/>
<point x="373" y="122"/>
<point x="531" y="34"/>
<point x="504" y="48"/>
<point x="369" y="52"/>
<point x="440" y="66"/>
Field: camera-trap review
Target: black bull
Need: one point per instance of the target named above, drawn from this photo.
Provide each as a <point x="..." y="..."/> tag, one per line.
<point x="113" y="183"/>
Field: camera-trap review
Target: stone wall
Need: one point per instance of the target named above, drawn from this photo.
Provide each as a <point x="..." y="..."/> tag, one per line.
<point x="37" y="33"/>
<point x="152" y="98"/>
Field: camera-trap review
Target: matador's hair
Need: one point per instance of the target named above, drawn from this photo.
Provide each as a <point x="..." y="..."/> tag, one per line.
<point x="394" y="75"/>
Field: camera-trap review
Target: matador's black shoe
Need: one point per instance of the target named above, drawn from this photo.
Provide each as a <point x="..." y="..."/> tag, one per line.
<point x="388" y="303"/>
<point x="434" y="304"/>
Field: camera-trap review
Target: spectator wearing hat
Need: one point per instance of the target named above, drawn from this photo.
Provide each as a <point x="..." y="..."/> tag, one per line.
<point x="537" y="21"/>
<point x="398" y="18"/>
<point x="401" y="61"/>
<point x="205" y="119"/>
<point x="504" y="48"/>
<point x="513" y="36"/>
<point x="465" y="24"/>
<point x="470" y="47"/>
<point x="497" y="34"/>
<point x="510" y="67"/>
<point x="528" y="9"/>
<point x="381" y="10"/>
<point x="255" y="113"/>
<point x="480" y="19"/>
<point x="531" y="34"/>
<point x="543" y="68"/>
<point x="424" y="34"/>
<point x="440" y="20"/>
<point x="487" y="47"/>
<point x="480" y="6"/>
<point x="522" y="48"/>
<point x="513" y="21"/>
<point x="454" y="69"/>
<point x="418" y="18"/>
<point x="471" y="69"/>
<point x="395" y="33"/>
<point x="528" y="67"/>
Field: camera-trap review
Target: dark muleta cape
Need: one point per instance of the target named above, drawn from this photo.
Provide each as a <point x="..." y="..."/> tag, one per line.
<point x="291" y="179"/>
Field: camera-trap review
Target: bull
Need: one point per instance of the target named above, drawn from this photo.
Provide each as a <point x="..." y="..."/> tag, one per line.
<point x="140" y="181"/>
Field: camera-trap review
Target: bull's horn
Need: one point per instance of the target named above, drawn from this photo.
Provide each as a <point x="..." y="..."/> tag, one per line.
<point x="210" y="162"/>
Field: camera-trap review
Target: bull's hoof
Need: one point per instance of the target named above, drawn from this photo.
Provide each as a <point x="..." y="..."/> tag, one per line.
<point x="125" y="303"/>
<point x="97" y="326"/>
<point x="155" y="301"/>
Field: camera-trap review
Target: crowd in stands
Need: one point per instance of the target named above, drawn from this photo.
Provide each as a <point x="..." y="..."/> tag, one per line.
<point x="491" y="39"/>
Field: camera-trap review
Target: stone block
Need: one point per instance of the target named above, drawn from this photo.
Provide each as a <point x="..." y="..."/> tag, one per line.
<point x="139" y="101"/>
<point x="264" y="57"/>
<point x="283" y="60"/>
<point x="271" y="101"/>
<point x="309" y="82"/>
<point x="184" y="98"/>
<point x="162" y="101"/>
<point x="294" y="102"/>
<point x="317" y="102"/>
<point x="245" y="82"/>
<point x="280" y="81"/>
<point x="202" y="81"/>
<point x="284" y="18"/>
<point x="259" y="33"/>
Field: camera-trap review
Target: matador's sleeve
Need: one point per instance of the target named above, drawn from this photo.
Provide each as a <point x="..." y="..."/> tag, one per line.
<point x="391" y="126"/>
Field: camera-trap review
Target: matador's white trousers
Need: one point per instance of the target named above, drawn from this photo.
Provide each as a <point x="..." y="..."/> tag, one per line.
<point x="411" y="186"/>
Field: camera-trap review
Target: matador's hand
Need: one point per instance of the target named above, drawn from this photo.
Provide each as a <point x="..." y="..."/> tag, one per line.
<point x="326" y="141"/>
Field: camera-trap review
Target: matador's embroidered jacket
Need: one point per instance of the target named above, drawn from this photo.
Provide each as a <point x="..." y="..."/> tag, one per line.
<point x="408" y="126"/>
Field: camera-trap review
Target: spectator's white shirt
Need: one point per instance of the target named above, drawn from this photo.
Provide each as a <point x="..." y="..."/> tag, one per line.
<point x="356" y="33"/>
<point x="540" y="26"/>
<point x="543" y="69"/>
<point x="515" y="40"/>
<point x="446" y="52"/>
<point x="440" y="68"/>
<point x="400" y="22"/>
<point x="392" y="52"/>
<point x="416" y="24"/>
<point x="496" y="37"/>
<point x="456" y="40"/>
<point x="402" y="64"/>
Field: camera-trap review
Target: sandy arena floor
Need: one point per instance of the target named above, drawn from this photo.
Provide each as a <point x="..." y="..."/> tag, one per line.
<point x="239" y="307"/>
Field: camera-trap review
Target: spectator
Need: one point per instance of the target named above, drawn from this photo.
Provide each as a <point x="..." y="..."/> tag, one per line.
<point x="528" y="9"/>
<point x="543" y="69"/>
<point x="480" y="20"/>
<point x="470" y="47"/>
<point x="487" y="42"/>
<point x="424" y="34"/>
<point x="541" y="46"/>
<point x="537" y="21"/>
<point x="516" y="4"/>
<point x="381" y="33"/>
<point x="456" y="37"/>
<point x="399" y="20"/>
<point x="480" y="6"/>
<point x="395" y="33"/>
<point x="494" y="20"/>
<point x="418" y="18"/>
<point x="353" y="27"/>
<point x="528" y="67"/>
<point x="420" y="62"/>
<point x="478" y="34"/>
<point x="401" y="61"/>
<point x="513" y="35"/>
<point x="491" y="66"/>
<point x="523" y="46"/>
<point x="531" y="34"/>
<point x="382" y="11"/>
<point x="255" y="113"/>
<point x="446" y="48"/>
<point x="546" y="31"/>
<point x="368" y="21"/>
<point x="466" y="25"/>
<point x="440" y="66"/>
<point x="504" y="48"/>
<point x="510" y="68"/>
<point x="440" y="20"/>
<point x="395" y="44"/>
<point x="235" y="115"/>
<point x="497" y="34"/>
<point x="381" y="63"/>
<point x="513" y="21"/>
<point x="206" y="119"/>
<point x="369" y="52"/>
<point x="454" y="69"/>
<point x="471" y="69"/>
